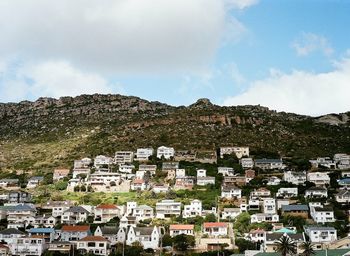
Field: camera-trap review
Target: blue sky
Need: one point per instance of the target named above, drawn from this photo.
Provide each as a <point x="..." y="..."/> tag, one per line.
<point x="290" y="55"/>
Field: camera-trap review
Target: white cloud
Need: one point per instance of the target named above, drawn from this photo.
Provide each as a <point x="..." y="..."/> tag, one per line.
<point x="53" y="79"/>
<point x="301" y="92"/>
<point x="118" y="36"/>
<point x="241" y="4"/>
<point x="308" y="43"/>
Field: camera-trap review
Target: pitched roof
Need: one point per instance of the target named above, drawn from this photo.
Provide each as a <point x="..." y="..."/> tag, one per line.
<point x="214" y="224"/>
<point x="22" y="207"/>
<point x="181" y="227"/>
<point x="295" y="207"/>
<point x="41" y="230"/>
<point x="78" y="209"/>
<point x="11" y="231"/>
<point x="95" y="238"/>
<point x="67" y="228"/>
<point x="144" y="231"/>
<point x="276" y="236"/>
<point x="107" y="206"/>
<point x="109" y="230"/>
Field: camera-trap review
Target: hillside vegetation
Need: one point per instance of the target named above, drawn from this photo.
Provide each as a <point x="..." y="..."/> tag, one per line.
<point x="53" y="132"/>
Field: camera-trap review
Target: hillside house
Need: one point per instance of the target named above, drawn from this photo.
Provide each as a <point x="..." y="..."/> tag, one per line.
<point x="193" y="209"/>
<point x="149" y="237"/>
<point x="179" y="229"/>
<point x="168" y="208"/>
<point x="143" y="154"/>
<point x="296" y="178"/>
<point x="60" y="174"/>
<point x="239" y="152"/>
<point x="166" y="152"/>
<point x="97" y="245"/>
<point x="74" y="233"/>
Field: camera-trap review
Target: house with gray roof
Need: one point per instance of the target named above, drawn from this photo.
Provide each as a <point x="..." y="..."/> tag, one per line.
<point x="74" y="215"/>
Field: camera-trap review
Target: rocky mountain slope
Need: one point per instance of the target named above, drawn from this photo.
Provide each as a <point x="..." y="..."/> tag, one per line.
<point x="52" y="132"/>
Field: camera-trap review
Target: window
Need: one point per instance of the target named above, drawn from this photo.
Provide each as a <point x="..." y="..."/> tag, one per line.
<point x="101" y="244"/>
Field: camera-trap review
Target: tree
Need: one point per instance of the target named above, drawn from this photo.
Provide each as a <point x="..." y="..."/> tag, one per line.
<point x="286" y="246"/>
<point x="210" y="217"/>
<point x="244" y="245"/>
<point x="167" y="240"/>
<point x="308" y="249"/>
<point x="242" y="222"/>
<point x="183" y="242"/>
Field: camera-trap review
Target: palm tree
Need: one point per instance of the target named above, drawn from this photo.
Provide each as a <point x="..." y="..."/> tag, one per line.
<point x="308" y="249"/>
<point x="286" y="246"/>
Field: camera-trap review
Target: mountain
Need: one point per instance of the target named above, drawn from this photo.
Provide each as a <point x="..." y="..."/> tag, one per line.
<point x="53" y="132"/>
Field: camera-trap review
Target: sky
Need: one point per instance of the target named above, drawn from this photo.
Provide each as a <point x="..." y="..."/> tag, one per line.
<point x="290" y="55"/>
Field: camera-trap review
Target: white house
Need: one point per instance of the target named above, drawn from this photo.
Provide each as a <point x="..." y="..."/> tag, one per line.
<point x="238" y="151"/>
<point x="193" y="209"/>
<point x="203" y="181"/>
<point x="127" y="221"/>
<point x="148" y="168"/>
<point x="123" y="157"/>
<point x="149" y="237"/>
<point x="102" y="161"/>
<point x="226" y="171"/>
<point x="287" y="192"/>
<point x="230" y="213"/>
<point x="74" y="215"/>
<point x="231" y="192"/>
<point x="98" y="245"/>
<point x="269" y="205"/>
<point x="33" y="182"/>
<point x="247" y="162"/>
<point x="316" y="192"/>
<point x="180" y="173"/>
<point x="273" y="181"/>
<point x="264" y="217"/>
<point x="74" y="233"/>
<point x="322" y="214"/>
<point x="296" y="178"/>
<point x="343" y="196"/>
<point x="318" y="234"/>
<point x="166" y="152"/>
<point x="143" y="154"/>
<point x="108" y="232"/>
<point x="126" y="168"/>
<point x="105" y="212"/>
<point x="269" y="164"/>
<point x="319" y="178"/>
<point x="160" y="188"/>
<point x="168" y="208"/>
<point x="20" y="215"/>
<point x="143" y="212"/>
<point x="215" y="229"/>
<point x="179" y="229"/>
<point x="260" y="192"/>
<point x="9" y="235"/>
<point x="201" y="173"/>
<point x="28" y="246"/>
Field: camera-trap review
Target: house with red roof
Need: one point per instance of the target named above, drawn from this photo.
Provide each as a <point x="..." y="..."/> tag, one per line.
<point x="215" y="229"/>
<point x="139" y="184"/>
<point x="4" y="250"/>
<point x="105" y="212"/>
<point x="179" y="229"/>
<point x="97" y="245"/>
<point x="70" y="233"/>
